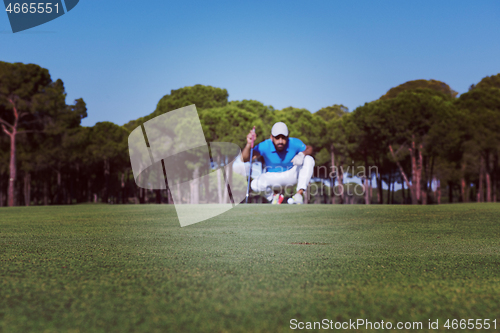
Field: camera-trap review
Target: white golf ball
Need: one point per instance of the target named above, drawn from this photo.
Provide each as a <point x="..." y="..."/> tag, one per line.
<point x="290" y="201"/>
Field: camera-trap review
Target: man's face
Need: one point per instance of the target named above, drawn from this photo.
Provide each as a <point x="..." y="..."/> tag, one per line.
<point x="279" y="142"/>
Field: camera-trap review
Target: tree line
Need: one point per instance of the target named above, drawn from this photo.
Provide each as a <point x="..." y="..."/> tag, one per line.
<point x="437" y="146"/>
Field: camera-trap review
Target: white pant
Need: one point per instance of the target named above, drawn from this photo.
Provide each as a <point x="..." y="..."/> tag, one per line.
<point x="269" y="181"/>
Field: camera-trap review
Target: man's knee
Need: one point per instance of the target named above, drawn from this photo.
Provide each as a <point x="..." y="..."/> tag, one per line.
<point x="253" y="185"/>
<point x="259" y="184"/>
<point x="309" y="161"/>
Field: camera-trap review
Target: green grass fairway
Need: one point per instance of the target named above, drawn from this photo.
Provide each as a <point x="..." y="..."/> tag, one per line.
<point x="102" y="268"/>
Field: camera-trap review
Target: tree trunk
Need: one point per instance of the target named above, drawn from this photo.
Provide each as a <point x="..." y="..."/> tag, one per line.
<point x="45" y="192"/>
<point x="230" y="177"/>
<point x="195" y="186"/>
<point x="411" y="187"/>
<point x="206" y="187"/>
<point x="422" y="166"/>
<point x="12" y="169"/>
<point x="438" y="190"/>
<point x="370" y="191"/>
<point x="487" y="171"/>
<point x="415" y="177"/>
<point x="393" y="185"/>
<point x="367" y="189"/>
<point x="18" y="194"/>
<point x="219" y="180"/>
<point x="140" y="195"/>
<point x="66" y="189"/>
<point x="367" y="186"/>
<point x="58" y="194"/>
<point x="12" y="164"/>
<point x="488" y="187"/>
<point x="463" y="195"/>
<point x="226" y="183"/>
<point x="78" y="185"/>
<point x="169" y="196"/>
<point x="380" y="193"/>
<point x="389" y="181"/>
<point x="136" y="190"/>
<point x="450" y="192"/>
<point x="107" y="171"/>
<point x="36" y="190"/>
<point x="341" y="185"/>
<point x="179" y="195"/>
<point x="89" y="190"/>
<point x="70" y="191"/>
<point x="157" y="192"/>
<point x="1" y="190"/>
<point x="123" y="187"/>
<point x="432" y="192"/>
<point x="403" y="190"/>
<point x="431" y="179"/>
<point x="27" y="189"/>
<point x="480" y="190"/>
<point x="332" y="191"/>
<point x="494" y="191"/>
<point x="332" y="187"/>
<point x="495" y="177"/>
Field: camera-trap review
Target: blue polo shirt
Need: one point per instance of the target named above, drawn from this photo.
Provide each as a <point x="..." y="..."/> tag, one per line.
<point x="279" y="161"/>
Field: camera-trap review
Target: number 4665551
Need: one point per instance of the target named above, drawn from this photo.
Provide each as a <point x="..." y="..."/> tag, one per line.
<point x="470" y="324"/>
<point x="32" y="8"/>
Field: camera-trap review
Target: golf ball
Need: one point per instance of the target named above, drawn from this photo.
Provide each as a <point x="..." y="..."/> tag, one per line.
<point x="290" y="201"/>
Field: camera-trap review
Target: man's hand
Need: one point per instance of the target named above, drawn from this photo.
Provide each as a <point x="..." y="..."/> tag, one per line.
<point x="245" y="153"/>
<point x="298" y="159"/>
<point x="251" y="137"/>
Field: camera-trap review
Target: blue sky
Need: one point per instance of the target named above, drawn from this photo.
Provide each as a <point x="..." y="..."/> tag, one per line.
<point x="122" y="57"/>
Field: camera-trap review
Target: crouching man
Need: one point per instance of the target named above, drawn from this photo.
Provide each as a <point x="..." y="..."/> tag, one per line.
<point x="288" y="162"/>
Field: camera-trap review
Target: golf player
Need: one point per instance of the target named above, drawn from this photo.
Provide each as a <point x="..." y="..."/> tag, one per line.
<point x="288" y="162"/>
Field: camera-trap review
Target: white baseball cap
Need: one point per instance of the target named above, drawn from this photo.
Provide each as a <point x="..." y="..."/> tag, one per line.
<point x="279" y="128"/>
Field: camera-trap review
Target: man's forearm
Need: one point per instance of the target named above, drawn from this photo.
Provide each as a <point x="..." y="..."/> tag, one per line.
<point x="308" y="151"/>
<point x="245" y="154"/>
